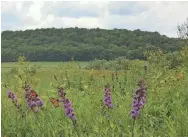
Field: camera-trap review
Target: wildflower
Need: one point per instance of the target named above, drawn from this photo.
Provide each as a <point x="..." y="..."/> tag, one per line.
<point x="12" y="96"/>
<point x="139" y="99"/>
<point x="14" y="99"/>
<point x="107" y="97"/>
<point x="32" y="98"/>
<point x="69" y="111"/>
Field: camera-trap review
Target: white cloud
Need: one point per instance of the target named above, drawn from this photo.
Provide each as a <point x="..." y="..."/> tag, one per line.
<point x="35" y="11"/>
<point x="66" y="22"/>
<point x="151" y="16"/>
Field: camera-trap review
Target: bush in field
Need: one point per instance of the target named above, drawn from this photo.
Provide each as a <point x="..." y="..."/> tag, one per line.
<point x="184" y="56"/>
<point x="120" y="63"/>
<point x="14" y="70"/>
<point x="174" y="60"/>
<point x="96" y="64"/>
<point x="24" y="70"/>
<point x="170" y="60"/>
<point x="156" y="57"/>
<point x="23" y="66"/>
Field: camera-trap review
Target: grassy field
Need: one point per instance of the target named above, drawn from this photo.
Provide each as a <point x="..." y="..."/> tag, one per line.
<point x="6" y="66"/>
<point x="164" y="113"/>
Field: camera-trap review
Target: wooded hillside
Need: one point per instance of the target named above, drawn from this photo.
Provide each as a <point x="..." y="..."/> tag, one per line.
<point x="82" y="44"/>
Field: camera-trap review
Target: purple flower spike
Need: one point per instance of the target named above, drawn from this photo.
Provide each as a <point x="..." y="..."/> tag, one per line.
<point x="34" y="102"/>
<point x="14" y="99"/>
<point x="139" y="99"/>
<point x="69" y="111"/>
<point x="107" y="97"/>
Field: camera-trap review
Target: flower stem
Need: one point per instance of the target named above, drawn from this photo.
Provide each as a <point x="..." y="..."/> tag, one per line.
<point x="142" y="124"/>
<point x="133" y="127"/>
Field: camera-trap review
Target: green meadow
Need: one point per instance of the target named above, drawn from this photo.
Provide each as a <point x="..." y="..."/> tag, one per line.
<point x="163" y="115"/>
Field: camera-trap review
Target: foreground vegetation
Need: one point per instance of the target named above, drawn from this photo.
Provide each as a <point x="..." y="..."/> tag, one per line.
<point x="83" y="44"/>
<point x="164" y="114"/>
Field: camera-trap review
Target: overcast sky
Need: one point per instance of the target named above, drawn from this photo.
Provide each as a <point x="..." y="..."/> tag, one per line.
<point x="150" y="16"/>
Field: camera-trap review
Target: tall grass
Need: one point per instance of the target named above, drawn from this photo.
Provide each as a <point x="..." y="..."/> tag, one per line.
<point x="164" y="114"/>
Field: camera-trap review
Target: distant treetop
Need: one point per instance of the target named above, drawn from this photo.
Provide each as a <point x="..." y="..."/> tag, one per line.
<point x="52" y="44"/>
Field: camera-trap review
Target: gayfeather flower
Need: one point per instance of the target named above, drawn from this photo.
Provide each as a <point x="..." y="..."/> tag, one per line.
<point x="139" y="99"/>
<point x="62" y="94"/>
<point x="14" y="99"/>
<point x="107" y="97"/>
<point x="69" y="111"/>
<point x="12" y="96"/>
<point x="32" y="98"/>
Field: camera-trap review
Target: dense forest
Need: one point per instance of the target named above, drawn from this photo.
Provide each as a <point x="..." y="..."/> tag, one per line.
<point x="82" y="44"/>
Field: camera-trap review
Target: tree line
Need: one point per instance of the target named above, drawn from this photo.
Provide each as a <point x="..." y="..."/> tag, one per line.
<point x="65" y="44"/>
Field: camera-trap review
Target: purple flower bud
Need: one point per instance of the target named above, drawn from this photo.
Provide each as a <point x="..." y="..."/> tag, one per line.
<point x="134" y="113"/>
<point x="32" y="104"/>
<point x="10" y="94"/>
<point x="39" y="102"/>
<point x="72" y="116"/>
<point x="61" y="93"/>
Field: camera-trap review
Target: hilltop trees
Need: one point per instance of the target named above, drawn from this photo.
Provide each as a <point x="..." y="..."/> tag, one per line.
<point x="82" y="44"/>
